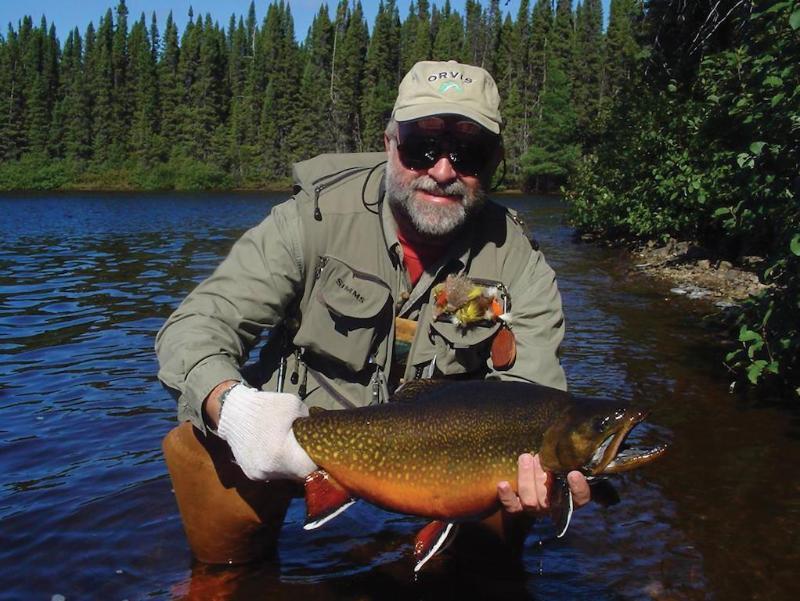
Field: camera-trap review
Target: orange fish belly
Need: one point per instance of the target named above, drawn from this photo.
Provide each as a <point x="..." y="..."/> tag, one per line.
<point x="443" y="498"/>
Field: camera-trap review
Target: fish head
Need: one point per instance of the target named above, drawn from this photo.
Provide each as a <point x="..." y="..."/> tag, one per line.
<point x="590" y="437"/>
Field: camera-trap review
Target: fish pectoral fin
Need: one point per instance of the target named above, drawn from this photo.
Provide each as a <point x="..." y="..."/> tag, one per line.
<point x="432" y="539"/>
<point x="325" y="499"/>
<point x="561" y="506"/>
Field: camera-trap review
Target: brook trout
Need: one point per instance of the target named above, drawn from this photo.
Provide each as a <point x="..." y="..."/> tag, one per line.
<point x="439" y="448"/>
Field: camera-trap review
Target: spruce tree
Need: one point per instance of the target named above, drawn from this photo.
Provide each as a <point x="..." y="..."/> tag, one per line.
<point x="553" y="152"/>
<point x="588" y="70"/>
<point x="408" y="38"/>
<point x="347" y="65"/>
<point x="121" y="94"/>
<point x="473" y="33"/>
<point x="255" y="87"/>
<point x="492" y="31"/>
<point x="101" y="82"/>
<point x="516" y="88"/>
<point x="89" y="56"/>
<point x="539" y="48"/>
<point x="72" y="107"/>
<point x="12" y="128"/>
<point x="250" y="27"/>
<point x="621" y="44"/>
<point x="190" y="138"/>
<point x="35" y="87"/>
<point x="239" y="58"/>
<point x="169" y="89"/>
<point x="280" y="95"/>
<point x="270" y="144"/>
<point x="312" y="130"/>
<point x="143" y="142"/>
<point x="562" y="36"/>
<point x="449" y="41"/>
<point x="155" y="38"/>
<point x="421" y="45"/>
<point x="212" y="107"/>
<point x="381" y="75"/>
<point x="51" y="72"/>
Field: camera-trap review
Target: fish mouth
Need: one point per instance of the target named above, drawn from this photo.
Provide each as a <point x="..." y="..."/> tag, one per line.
<point x="614" y="455"/>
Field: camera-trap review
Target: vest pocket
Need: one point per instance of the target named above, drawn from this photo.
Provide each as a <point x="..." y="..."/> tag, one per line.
<point x="347" y="317"/>
<point x="451" y="349"/>
<point x="461" y="350"/>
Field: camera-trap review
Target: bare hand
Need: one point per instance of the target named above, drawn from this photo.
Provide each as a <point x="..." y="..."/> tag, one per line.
<point x="532" y="486"/>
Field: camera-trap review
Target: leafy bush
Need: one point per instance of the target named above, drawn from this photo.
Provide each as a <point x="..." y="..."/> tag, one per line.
<point x="767" y="328"/>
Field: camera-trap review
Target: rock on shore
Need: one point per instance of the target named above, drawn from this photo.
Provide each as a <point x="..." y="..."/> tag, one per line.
<point x="696" y="273"/>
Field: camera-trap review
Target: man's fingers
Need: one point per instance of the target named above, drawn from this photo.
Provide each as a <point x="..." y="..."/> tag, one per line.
<point x="508" y="498"/>
<point x="532" y="487"/>
<point x="541" y="478"/>
<point x="532" y="481"/>
<point x="579" y="488"/>
<point x="526" y="481"/>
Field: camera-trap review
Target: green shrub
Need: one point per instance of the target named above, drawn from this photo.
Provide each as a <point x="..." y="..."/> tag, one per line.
<point x="36" y="173"/>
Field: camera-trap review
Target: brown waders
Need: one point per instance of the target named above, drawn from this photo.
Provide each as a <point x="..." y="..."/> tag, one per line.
<point x="227" y="517"/>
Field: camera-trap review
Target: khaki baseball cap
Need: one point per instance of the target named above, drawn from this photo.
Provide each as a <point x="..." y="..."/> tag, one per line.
<point x="449" y="88"/>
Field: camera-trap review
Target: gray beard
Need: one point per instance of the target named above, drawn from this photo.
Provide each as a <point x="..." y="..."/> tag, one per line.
<point x="429" y="218"/>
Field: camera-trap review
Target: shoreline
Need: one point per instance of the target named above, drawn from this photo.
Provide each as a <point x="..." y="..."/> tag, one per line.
<point x="691" y="270"/>
<point x="697" y="274"/>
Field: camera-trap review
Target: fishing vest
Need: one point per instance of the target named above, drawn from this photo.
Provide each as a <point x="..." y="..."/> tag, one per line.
<point x="338" y="343"/>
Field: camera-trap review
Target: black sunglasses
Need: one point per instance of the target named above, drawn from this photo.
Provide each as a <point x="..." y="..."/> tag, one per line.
<point x="468" y="153"/>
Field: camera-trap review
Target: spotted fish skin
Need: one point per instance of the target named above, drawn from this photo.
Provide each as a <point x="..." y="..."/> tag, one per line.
<point x="441" y="448"/>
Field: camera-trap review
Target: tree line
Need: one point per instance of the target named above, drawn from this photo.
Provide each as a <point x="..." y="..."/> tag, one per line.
<point x="141" y="106"/>
<point x="704" y="145"/>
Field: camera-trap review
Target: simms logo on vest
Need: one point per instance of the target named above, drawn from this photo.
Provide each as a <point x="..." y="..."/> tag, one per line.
<point x="355" y="293"/>
<point x="448" y="80"/>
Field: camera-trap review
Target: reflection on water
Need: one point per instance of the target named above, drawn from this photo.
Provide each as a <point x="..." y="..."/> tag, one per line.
<point x="86" y="507"/>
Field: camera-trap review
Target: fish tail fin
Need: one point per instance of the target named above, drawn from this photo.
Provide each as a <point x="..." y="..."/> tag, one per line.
<point x="432" y="539"/>
<point x="325" y="499"/>
<point x="560" y="505"/>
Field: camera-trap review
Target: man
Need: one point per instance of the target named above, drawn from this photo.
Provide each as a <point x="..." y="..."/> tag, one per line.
<point x="359" y="255"/>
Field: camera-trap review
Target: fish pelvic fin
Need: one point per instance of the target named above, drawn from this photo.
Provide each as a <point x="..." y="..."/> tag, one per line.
<point x="561" y="506"/>
<point x="432" y="539"/>
<point x="325" y="499"/>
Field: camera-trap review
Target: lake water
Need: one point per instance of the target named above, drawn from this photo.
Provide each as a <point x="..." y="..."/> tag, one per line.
<point x="86" y="507"/>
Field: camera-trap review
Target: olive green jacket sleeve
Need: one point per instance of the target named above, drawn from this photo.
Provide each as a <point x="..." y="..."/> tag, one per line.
<point x="537" y="317"/>
<point x="208" y="338"/>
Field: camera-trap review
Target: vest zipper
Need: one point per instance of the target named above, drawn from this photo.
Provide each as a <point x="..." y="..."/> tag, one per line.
<point x="378" y="384"/>
<point x="321" y="263"/>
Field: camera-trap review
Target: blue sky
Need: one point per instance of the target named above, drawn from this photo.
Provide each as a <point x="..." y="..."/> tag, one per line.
<point x="66" y="15"/>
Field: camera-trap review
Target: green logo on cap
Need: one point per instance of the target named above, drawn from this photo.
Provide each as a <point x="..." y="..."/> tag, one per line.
<point x="446" y="86"/>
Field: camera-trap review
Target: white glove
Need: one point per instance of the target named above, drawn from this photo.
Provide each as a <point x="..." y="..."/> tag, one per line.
<point x="258" y="428"/>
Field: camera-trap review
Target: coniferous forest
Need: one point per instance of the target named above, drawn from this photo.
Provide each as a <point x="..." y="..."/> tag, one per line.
<point x="134" y="103"/>
<point x="663" y="119"/>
